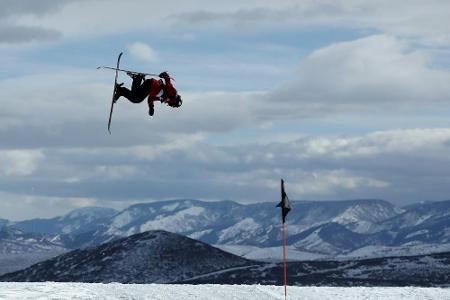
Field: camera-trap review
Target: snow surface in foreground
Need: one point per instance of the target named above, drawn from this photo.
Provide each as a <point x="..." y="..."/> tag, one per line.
<point x="51" y="290"/>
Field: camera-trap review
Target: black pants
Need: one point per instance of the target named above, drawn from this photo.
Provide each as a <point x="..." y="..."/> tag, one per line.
<point x="139" y="90"/>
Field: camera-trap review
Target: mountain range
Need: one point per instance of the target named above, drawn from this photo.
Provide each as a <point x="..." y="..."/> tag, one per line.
<point x="315" y="229"/>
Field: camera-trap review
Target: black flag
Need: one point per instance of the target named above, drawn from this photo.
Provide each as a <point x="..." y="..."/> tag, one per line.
<point x="284" y="204"/>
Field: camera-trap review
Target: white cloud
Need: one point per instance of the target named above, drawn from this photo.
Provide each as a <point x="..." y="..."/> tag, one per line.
<point x="19" y="34"/>
<point x="19" y="162"/>
<point x="370" y="74"/>
<point x="12" y="32"/>
<point x="426" y="23"/>
<point x="398" y="165"/>
<point x="175" y="143"/>
<point x="329" y="181"/>
<point x="143" y="52"/>
<point x="117" y="16"/>
<point x="116" y="172"/>
<point x="411" y="142"/>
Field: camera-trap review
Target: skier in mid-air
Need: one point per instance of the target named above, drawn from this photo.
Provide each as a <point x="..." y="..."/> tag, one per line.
<point x="154" y="89"/>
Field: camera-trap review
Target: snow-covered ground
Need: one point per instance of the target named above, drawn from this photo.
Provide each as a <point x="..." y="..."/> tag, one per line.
<point x="51" y="290"/>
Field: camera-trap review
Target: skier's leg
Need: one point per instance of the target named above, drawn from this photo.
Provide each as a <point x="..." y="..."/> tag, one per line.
<point x="137" y="93"/>
<point x="141" y="91"/>
<point x="137" y="81"/>
<point x="123" y="91"/>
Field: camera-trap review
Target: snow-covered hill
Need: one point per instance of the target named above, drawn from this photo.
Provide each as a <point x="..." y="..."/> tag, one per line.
<point x="113" y="291"/>
<point x="153" y="256"/>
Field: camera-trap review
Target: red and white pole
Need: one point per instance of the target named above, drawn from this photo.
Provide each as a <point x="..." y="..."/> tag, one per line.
<point x="285" y="208"/>
<point x="284" y="259"/>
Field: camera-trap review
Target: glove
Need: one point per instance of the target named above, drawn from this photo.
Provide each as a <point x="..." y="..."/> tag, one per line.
<point x="164" y="75"/>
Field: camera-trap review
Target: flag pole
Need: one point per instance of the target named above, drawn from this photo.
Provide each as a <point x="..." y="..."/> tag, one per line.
<point x="284" y="259"/>
<point x="285" y="208"/>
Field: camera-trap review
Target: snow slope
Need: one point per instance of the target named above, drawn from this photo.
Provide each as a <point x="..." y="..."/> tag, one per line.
<point x="51" y="290"/>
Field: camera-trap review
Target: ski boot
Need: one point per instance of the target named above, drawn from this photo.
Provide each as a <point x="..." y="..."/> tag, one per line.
<point x="116" y="92"/>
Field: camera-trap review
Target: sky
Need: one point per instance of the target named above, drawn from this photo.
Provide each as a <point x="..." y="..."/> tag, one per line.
<point x="343" y="99"/>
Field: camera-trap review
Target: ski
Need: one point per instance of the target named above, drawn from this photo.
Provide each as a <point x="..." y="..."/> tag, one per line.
<point x="127" y="71"/>
<point x="114" y="92"/>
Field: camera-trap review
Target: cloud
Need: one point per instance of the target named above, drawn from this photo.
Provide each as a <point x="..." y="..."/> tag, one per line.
<point x="10" y="34"/>
<point x="370" y="74"/>
<point x="12" y="8"/>
<point x="19" y="162"/>
<point x="120" y="17"/>
<point x="143" y="52"/>
<point x="426" y="23"/>
<point x="13" y="32"/>
<point x="402" y="166"/>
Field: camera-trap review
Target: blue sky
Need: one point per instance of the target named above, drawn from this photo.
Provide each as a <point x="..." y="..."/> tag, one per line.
<point x="343" y="99"/>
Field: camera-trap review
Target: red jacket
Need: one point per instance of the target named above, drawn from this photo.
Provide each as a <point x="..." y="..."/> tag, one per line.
<point x="157" y="86"/>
